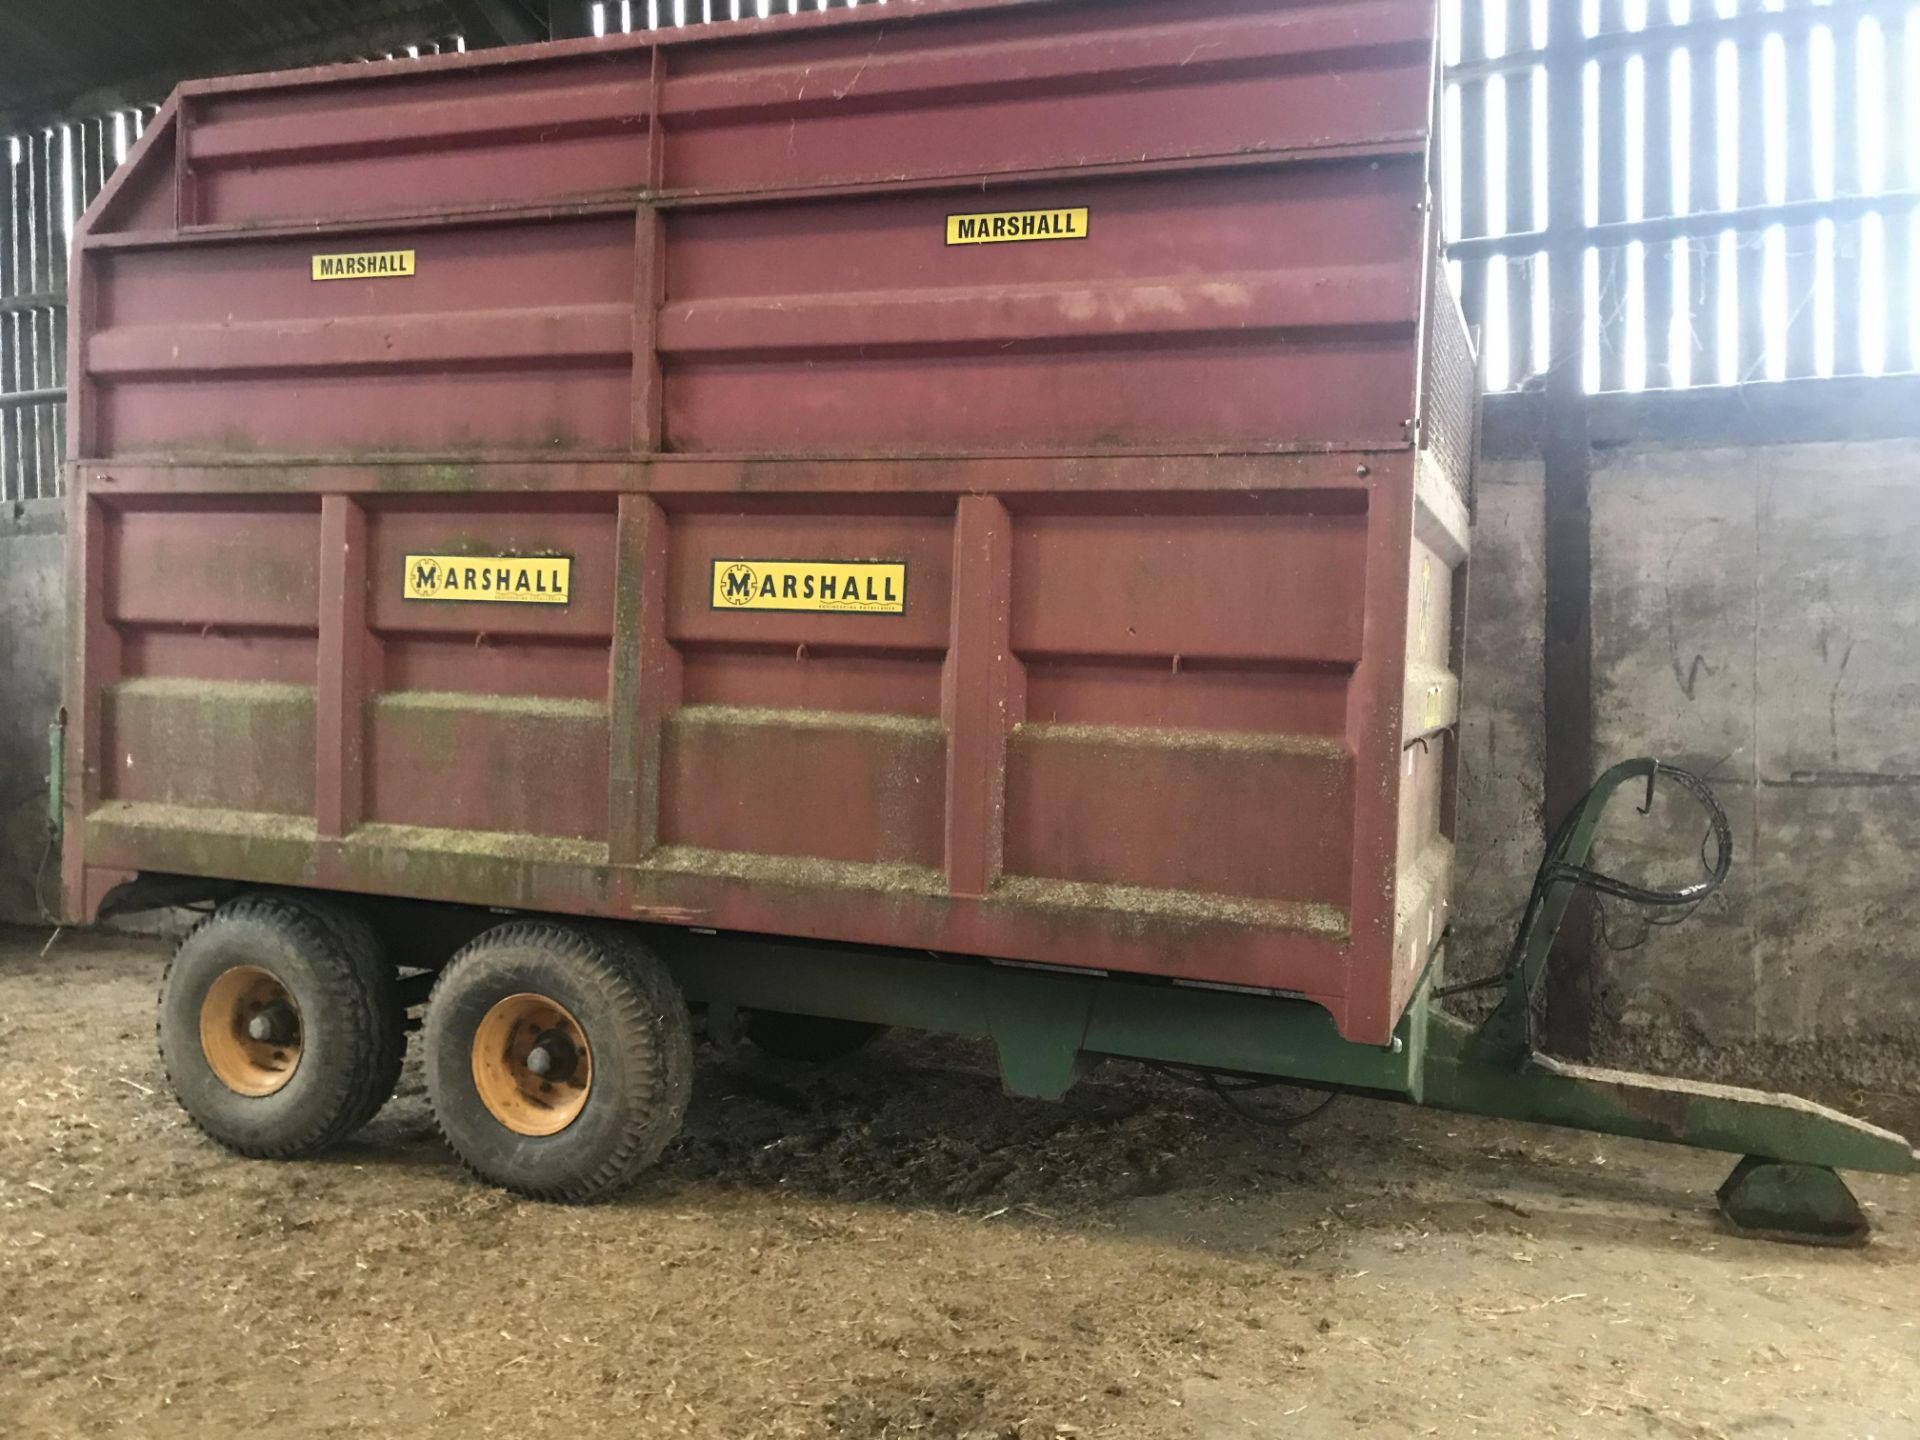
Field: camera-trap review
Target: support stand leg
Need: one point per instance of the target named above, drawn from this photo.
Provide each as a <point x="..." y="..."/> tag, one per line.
<point x="1800" y="1204"/>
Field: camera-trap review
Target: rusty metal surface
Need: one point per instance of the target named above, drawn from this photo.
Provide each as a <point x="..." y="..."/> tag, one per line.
<point x="1170" y="686"/>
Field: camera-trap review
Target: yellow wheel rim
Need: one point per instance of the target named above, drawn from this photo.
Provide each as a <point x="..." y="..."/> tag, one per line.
<point x="532" y="1065"/>
<point x="250" y="1031"/>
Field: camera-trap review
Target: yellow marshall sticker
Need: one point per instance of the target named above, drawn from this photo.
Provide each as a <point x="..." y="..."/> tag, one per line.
<point x="859" y="587"/>
<point x="499" y="579"/>
<point x="371" y="265"/>
<point x="1011" y="225"/>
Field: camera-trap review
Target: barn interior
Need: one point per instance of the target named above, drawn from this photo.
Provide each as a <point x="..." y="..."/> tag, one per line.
<point x="1683" y="234"/>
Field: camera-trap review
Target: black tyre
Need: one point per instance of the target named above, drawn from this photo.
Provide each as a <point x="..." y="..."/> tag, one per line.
<point x="811" y="1038"/>
<point x="280" y="1035"/>
<point x="559" y="1059"/>
<point x="364" y="947"/>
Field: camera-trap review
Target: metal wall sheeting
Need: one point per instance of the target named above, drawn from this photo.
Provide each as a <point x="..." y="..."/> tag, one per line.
<point x="1751" y="178"/>
<point x="48" y="177"/>
<point x="613" y="17"/>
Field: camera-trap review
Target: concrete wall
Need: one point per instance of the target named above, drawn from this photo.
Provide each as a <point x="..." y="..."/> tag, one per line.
<point x="1502" y="718"/>
<point x="1756" y="618"/>
<point x="32" y="643"/>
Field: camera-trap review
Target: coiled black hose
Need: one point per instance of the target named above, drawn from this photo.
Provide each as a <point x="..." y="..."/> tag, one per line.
<point x="1555" y="870"/>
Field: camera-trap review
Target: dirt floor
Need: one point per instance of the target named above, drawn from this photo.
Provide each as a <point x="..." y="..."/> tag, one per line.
<point x="891" y="1249"/>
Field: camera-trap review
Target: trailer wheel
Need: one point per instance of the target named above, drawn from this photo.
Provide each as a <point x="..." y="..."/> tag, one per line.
<point x="368" y="954"/>
<point x="559" y="1060"/>
<point x="280" y="1035"/>
<point x="814" y="1039"/>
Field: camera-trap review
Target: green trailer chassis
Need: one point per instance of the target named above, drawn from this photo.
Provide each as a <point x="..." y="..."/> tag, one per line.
<point x="1048" y="1025"/>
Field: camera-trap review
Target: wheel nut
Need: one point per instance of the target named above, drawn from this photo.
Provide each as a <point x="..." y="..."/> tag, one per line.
<point x="274" y="1025"/>
<point x="553" y="1056"/>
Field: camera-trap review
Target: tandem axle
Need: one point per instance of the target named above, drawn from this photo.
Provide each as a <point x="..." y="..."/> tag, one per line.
<point x="533" y="1020"/>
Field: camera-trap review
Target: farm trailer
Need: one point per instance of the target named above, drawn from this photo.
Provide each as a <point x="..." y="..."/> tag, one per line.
<point x="950" y="515"/>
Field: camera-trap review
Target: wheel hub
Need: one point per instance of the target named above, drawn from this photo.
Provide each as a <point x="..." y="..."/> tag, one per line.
<point x="277" y="1024"/>
<point x="554" y="1057"/>
<point x="532" y="1065"/>
<point x="250" y="1031"/>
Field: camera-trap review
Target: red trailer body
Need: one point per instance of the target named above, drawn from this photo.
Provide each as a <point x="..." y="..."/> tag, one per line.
<point x="967" y="476"/>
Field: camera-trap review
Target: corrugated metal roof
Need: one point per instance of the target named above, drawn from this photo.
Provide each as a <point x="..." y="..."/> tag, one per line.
<point x="62" y="57"/>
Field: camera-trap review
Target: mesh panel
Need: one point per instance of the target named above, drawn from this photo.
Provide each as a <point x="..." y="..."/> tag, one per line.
<point x="1450" y="382"/>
